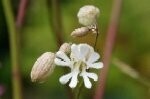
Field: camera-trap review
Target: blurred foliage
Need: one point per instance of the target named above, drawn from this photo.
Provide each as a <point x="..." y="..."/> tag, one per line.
<point x="132" y="46"/>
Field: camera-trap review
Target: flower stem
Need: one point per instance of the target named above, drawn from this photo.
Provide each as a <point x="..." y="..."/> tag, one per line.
<point x="16" y="82"/>
<point x="78" y="91"/>
<point x="111" y="34"/>
<point x="97" y="34"/>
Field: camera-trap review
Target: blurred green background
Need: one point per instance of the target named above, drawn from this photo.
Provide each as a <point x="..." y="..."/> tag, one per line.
<point x="132" y="46"/>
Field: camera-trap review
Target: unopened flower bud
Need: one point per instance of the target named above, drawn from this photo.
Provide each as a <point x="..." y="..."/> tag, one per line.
<point x="88" y="15"/>
<point x="66" y="48"/>
<point x="43" y="67"/>
<point x="79" y="32"/>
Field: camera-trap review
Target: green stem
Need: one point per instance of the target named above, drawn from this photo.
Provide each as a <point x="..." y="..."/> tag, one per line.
<point x="78" y="91"/>
<point x="16" y="84"/>
<point x="131" y="72"/>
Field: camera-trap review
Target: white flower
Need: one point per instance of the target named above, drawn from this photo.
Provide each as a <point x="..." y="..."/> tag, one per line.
<point x="88" y="15"/>
<point x="82" y="57"/>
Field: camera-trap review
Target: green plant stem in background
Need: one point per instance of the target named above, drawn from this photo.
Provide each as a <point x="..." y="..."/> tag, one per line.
<point x="128" y="70"/>
<point x="111" y="34"/>
<point x="16" y="82"/>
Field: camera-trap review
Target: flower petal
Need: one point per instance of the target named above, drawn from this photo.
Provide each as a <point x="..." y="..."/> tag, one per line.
<point x="93" y="57"/>
<point x="84" y="50"/>
<point x="87" y="82"/>
<point x="93" y="76"/>
<point x="65" y="78"/>
<point x="63" y="56"/>
<point x="74" y="51"/>
<point x="97" y="65"/>
<point x="62" y="59"/>
<point x="59" y="62"/>
<point x="74" y="79"/>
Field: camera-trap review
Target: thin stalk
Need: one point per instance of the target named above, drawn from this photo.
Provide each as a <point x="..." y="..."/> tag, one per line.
<point x="96" y="38"/>
<point x="111" y="34"/>
<point x="128" y="70"/>
<point x="79" y="89"/>
<point x="21" y="13"/>
<point x="58" y="30"/>
<point x="16" y="82"/>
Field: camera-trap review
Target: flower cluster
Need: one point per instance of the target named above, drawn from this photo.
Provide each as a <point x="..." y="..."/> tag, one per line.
<point x="78" y="57"/>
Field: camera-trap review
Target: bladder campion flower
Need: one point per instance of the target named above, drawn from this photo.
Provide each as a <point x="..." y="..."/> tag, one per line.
<point x="43" y="67"/>
<point x="82" y="58"/>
